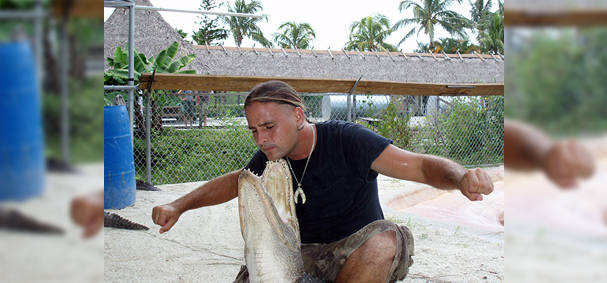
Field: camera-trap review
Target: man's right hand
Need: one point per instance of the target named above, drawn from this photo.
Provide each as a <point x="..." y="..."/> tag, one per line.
<point x="165" y="215"/>
<point x="567" y="161"/>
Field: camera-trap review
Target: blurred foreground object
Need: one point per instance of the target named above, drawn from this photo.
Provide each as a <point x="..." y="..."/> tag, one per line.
<point x="582" y="13"/>
<point x="12" y="219"/>
<point x="564" y="161"/>
<point x="43" y="257"/>
<point x="21" y="141"/>
<point x="91" y="9"/>
<point x="87" y="211"/>
<point x="556" y="82"/>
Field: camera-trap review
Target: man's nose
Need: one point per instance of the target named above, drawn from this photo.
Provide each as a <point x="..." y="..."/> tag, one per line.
<point x="262" y="137"/>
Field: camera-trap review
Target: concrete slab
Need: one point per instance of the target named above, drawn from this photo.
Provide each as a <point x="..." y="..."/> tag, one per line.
<point x="28" y="257"/>
<point x="206" y="244"/>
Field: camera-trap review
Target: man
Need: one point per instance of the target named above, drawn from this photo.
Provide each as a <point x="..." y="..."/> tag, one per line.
<point x="188" y="101"/>
<point x="87" y="211"/>
<point x="203" y="103"/>
<point x="563" y="161"/>
<point x="335" y="165"/>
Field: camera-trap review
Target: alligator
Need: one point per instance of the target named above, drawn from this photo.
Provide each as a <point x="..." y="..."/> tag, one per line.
<point x="114" y="220"/>
<point x="12" y="219"/>
<point x="145" y="186"/>
<point x="269" y="226"/>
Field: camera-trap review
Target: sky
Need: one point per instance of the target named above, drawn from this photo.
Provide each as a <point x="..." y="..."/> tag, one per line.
<point x="330" y="19"/>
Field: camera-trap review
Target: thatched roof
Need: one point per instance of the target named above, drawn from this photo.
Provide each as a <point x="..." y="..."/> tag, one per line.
<point x="336" y="64"/>
<point x="153" y="34"/>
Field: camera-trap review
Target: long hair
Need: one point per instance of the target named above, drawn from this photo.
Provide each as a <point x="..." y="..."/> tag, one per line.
<point x="274" y="91"/>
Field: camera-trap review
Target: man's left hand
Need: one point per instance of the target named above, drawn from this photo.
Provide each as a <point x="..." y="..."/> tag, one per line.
<point x="475" y="183"/>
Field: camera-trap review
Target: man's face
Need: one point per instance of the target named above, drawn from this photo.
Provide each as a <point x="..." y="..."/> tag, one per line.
<point x="274" y="128"/>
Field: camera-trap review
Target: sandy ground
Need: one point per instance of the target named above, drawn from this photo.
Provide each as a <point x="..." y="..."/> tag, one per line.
<point x="27" y="257"/>
<point x="556" y="235"/>
<point x="206" y="245"/>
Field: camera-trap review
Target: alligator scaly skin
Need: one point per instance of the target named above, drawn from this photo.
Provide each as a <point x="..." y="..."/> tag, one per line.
<point x="116" y="221"/>
<point x="12" y="219"/>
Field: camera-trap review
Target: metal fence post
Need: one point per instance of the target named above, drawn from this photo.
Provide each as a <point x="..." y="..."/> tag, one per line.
<point x="65" y="151"/>
<point x="348" y="99"/>
<point x="148" y="155"/>
<point x="131" y="81"/>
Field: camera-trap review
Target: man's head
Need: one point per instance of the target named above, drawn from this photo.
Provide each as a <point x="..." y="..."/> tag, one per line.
<point x="274" y="113"/>
<point x="274" y="91"/>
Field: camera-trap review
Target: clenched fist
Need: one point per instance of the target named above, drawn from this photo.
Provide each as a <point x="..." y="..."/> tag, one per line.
<point x="475" y="183"/>
<point x="567" y="161"/>
<point x="87" y="211"/>
<point x="165" y="215"/>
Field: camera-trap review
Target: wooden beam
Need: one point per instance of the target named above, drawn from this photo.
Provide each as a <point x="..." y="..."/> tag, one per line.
<point x="91" y="9"/>
<point x="579" y="18"/>
<point x="315" y="85"/>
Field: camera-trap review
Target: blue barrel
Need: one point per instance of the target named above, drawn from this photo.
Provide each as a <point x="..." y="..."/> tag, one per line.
<point x="119" y="167"/>
<point x="22" y="166"/>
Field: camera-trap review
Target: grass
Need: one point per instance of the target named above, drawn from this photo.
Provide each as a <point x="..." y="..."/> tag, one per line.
<point x="180" y="156"/>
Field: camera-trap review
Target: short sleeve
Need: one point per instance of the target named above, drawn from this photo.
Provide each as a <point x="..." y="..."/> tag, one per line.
<point x="361" y="147"/>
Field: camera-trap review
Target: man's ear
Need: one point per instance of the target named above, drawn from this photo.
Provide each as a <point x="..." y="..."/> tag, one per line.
<point x="299" y="114"/>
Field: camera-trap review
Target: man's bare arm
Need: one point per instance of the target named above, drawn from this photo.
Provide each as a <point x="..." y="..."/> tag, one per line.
<point x="436" y="171"/>
<point x="563" y="161"/>
<point x="216" y="191"/>
<point x="525" y="148"/>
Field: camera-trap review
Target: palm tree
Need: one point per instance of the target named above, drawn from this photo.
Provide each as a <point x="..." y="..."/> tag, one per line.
<point x="295" y="35"/>
<point x="370" y="33"/>
<point x="431" y="13"/>
<point x="450" y="45"/>
<point x="492" y="37"/>
<point x="242" y="27"/>
<point x="480" y="10"/>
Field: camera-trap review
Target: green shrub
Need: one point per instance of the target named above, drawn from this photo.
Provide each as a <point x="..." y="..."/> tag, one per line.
<point x="393" y="123"/>
<point x="471" y="132"/>
<point x="180" y="156"/>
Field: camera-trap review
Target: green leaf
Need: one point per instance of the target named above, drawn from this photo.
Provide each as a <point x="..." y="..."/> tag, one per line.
<point x="185" y="60"/>
<point x="120" y="56"/>
<point x="159" y="62"/>
<point x="172" y="51"/>
<point x="179" y="64"/>
<point x="141" y="63"/>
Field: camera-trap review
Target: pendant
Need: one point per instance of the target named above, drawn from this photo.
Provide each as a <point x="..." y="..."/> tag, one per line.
<point x="299" y="192"/>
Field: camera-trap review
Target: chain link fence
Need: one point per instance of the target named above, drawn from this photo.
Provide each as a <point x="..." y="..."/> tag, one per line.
<point x="468" y="130"/>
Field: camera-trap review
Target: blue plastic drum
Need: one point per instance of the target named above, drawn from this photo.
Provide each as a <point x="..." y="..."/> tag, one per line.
<point x="22" y="166"/>
<point x="119" y="167"/>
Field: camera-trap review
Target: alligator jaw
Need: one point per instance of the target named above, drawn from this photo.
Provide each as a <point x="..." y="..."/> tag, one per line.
<point x="269" y="225"/>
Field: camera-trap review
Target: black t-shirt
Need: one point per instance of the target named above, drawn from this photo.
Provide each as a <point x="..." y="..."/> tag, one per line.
<point x="340" y="187"/>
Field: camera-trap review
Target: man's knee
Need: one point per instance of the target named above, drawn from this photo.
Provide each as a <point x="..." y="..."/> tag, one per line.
<point x="381" y="247"/>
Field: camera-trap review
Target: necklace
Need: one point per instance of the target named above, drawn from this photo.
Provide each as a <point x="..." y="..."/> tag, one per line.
<point x="299" y="190"/>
